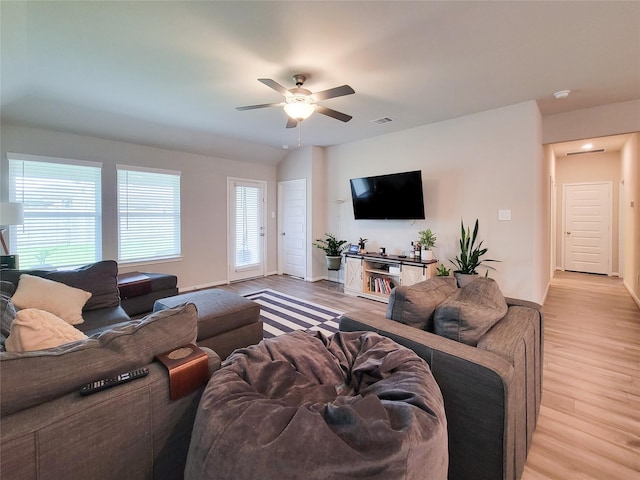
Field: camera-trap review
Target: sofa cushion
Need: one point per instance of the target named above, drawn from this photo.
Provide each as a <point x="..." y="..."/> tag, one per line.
<point x="35" y="329"/>
<point x="100" y="279"/>
<point x="62" y="300"/>
<point x="467" y="314"/>
<point x="33" y="378"/>
<point x="414" y="305"/>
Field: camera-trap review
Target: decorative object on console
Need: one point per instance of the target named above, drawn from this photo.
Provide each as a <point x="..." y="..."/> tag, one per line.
<point x="332" y="248"/>
<point x="427" y="242"/>
<point x="443" y="271"/>
<point x="469" y="258"/>
<point x="362" y="243"/>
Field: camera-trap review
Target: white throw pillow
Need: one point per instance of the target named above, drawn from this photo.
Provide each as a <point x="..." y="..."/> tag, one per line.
<point x="35" y="329"/>
<point x="62" y="300"/>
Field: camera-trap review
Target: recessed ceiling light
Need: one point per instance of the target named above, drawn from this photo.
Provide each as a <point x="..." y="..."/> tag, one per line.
<point x="562" y="94"/>
<point x="587" y="146"/>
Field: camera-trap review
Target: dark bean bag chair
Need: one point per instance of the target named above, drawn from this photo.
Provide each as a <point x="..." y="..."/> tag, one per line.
<point x="302" y="406"/>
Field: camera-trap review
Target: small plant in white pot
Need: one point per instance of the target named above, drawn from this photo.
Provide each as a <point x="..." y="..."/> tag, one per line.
<point x="332" y="248"/>
<point x="427" y="242"/>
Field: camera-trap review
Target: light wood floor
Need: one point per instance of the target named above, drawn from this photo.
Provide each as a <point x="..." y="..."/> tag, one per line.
<point x="589" y="424"/>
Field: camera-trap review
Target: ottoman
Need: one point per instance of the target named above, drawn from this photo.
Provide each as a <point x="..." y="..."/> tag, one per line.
<point x="301" y="405"/>
<point x="226" y="321"/>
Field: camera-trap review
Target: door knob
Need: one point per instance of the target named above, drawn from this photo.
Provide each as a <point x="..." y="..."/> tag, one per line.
<point x="283" y="234"/>
<point x="568" y="233"/>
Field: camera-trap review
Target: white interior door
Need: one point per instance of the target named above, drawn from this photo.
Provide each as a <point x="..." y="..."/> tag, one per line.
<point x="246" y="229"/>
<point x="292" y="205"/>
<point x="587" y="227"/>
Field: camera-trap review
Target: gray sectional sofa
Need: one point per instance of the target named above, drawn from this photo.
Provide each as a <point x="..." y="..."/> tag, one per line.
<point x="491" y="384"/>
<point x="134" y="431"/>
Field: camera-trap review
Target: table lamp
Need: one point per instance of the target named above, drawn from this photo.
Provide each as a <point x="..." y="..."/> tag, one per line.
<point x="10" y="214"/>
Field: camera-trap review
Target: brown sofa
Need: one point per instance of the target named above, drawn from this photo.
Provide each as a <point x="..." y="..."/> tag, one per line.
<point x="491" y="387"/>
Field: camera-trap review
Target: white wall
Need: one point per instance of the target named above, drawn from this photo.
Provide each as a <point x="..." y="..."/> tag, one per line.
<point x="472" y="167"/>
<point x="631" y="213"/>
<point x="204" y="196"/>
<point x="612" y="119"/>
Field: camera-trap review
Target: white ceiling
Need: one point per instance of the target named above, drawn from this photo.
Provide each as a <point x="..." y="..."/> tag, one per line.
<point x="170" y="74"/>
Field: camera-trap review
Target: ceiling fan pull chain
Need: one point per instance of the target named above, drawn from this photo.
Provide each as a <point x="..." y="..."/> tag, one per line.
<point x="299" y="127"/>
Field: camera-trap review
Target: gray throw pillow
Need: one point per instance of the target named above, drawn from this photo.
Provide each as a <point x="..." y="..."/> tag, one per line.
<point x="414" y="305"/>
<point x="469" y="313"/>
<point x="7" y="288"/>
<point x="7" y="314"/>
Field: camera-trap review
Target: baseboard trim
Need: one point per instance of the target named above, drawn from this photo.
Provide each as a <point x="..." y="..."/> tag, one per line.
<point x="633" y="295"/>
<point x="202" y="286"/>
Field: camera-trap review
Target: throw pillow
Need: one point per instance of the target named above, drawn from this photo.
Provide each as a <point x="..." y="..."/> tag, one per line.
<point x="7" y="313"/>
<point x="469" y="313"/>
<point x="35" y="329"/>
<point x="7" y="288"/>
<point x="415" y="305"/>
<point x="54" y="297"/>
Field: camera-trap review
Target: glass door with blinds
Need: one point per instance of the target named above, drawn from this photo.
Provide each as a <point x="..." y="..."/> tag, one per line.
<point x="246" y="229"/>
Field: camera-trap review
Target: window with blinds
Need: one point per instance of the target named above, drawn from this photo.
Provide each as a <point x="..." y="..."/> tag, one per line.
<point x="148" y="214"/>
<point x="247" y="225"/>
<point x="62" y="211"/>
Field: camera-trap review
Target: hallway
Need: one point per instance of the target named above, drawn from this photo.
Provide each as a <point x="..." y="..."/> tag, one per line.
<point x="589" y="424"/>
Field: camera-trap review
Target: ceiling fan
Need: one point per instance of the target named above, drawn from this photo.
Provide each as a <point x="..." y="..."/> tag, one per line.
<point x="300" y="103"/>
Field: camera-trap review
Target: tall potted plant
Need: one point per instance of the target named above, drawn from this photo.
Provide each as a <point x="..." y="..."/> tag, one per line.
<point x="469" y="258"/>
<point x="427" y="242"/>
<point x="332" y="248"/>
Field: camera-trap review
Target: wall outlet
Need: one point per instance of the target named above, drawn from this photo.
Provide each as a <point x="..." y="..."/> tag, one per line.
<point x="504" y="214"/>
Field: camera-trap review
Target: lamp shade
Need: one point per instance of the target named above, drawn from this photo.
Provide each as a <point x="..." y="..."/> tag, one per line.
<point x="299" y="110"/>
<point x="11" y="213"/>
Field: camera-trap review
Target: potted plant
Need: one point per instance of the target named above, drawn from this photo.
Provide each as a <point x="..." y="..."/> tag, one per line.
<point x="362" y="244"/>
<point x="332" y="248"/>
<point x="427" y="242"/>
<point x="443" y="271"/>
<point x="469" y="258"/>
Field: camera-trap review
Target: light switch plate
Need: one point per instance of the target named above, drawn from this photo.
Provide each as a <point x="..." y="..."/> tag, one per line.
<point x="504" y="214"/>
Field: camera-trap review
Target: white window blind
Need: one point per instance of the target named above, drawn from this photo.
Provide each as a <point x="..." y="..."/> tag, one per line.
<point x="247" y="225"/>
<point x="148" y="214"/>
<point x="62" y="211"/>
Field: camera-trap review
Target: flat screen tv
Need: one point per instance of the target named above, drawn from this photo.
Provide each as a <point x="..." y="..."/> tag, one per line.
<point x="397" y="196"/>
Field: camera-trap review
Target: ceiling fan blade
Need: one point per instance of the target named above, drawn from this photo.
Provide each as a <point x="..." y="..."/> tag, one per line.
<point x="333" y="92"/>
<point x="343" y="117"/>
<point x="264" y="105"/>
<point x="276" y="86"/>
<point x="292" y="123"/>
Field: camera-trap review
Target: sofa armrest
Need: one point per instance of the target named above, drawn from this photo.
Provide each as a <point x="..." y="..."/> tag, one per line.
<point x="477" y="389"/>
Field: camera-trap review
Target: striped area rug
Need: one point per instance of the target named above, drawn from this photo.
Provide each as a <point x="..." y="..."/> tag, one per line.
<point x="282" y="313"/>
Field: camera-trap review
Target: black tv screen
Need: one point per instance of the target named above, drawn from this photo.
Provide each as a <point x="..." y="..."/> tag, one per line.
<point x="388" y="197"/>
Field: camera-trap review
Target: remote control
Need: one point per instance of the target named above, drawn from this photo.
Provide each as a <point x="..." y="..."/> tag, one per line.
<point x="103" y="384"/>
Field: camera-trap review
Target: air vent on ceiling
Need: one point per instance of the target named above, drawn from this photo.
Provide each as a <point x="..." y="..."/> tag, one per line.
<point x="582" y="152"/>
<point x="382" y="120"/>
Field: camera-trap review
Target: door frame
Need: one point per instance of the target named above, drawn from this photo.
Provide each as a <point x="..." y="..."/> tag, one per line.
<point x="230" y="247"/>
<point x="564" y="219"/>
<point x="281" y="184"/>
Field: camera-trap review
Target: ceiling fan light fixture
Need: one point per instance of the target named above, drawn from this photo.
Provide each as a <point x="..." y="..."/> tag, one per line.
<point x="299" y="110"/>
